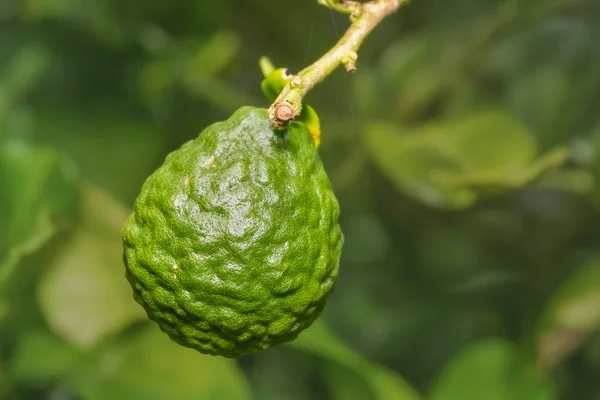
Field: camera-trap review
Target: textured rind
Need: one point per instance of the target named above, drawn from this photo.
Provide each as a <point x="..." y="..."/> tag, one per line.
<point x="234" y="244"/>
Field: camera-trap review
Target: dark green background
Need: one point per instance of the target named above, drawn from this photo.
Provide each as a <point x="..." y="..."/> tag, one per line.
<point x="465" y="152"/>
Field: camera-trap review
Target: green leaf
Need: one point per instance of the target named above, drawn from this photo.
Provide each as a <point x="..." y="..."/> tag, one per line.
<point x="40" y="358"/>
<point x="147" y="365"/>
<point x="329" y="3"/>
<point x="408" y="161"/>
<point x="384" y="383"/>
<point x="571" y="314"/>
<point x="491" y="370"/>
<point x="309" y="117"/>
<point x="194" y="67"/>
<point x="24" y="175"/>
<point x="84" y="295"/>
<point x="39" y="189"/>
<point x="451" y="163"/>
<point x="41" y="231"/>
<point x="274" y="83"/>
<point x="570" y="180"/>
<point x="266" y="66"/>
<point x="572" y="305"/>
<point x="335" y="4"/>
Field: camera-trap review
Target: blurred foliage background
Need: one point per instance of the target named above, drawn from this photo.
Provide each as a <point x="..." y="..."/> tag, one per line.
<point x="465" y="152"/>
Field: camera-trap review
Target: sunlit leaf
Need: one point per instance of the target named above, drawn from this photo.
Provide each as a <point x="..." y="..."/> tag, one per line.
<point x="506" y="179"/>
<point x="452" y="163"/>
<point x="408" y="161"/>
<point x="570" y="307"/>
<point x="570" y="180"/>
<point x="491" y="370"/>
<point x="309" y="117"/>
<point x="572" y="313"/>
<point x="84" y="295"/>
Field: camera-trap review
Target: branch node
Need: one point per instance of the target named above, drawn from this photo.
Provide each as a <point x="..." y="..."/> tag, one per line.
<point x="282" y="113"/>
<point x="356" y="13"/>
<point x="349" y="61"/>
<point x="365" y="17"/>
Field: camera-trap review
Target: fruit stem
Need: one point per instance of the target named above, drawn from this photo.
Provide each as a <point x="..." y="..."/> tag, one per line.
<point x="365" y="17"/>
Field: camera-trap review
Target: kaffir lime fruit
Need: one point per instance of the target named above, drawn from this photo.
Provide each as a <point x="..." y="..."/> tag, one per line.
<point x="233" y="245"/>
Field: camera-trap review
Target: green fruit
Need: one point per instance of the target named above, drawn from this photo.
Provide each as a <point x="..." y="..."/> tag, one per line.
<point x="234" y="244"/>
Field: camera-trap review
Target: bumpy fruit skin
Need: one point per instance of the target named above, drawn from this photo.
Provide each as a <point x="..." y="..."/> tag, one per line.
<point x="234" y="244"/>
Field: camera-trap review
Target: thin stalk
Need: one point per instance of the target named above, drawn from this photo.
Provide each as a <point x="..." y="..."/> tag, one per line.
<point x="365" y="17"/>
